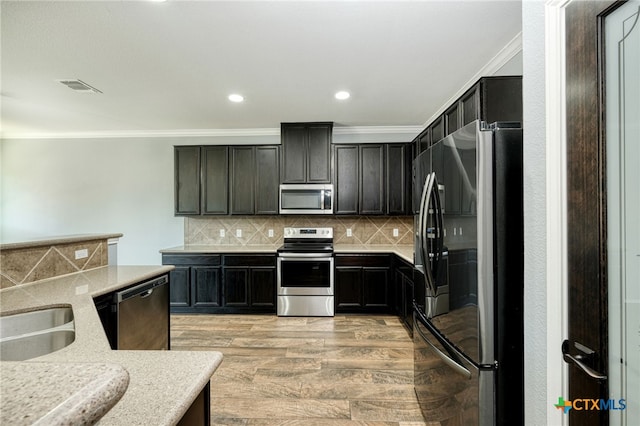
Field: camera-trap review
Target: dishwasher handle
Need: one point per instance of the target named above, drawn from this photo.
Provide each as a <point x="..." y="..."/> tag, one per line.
<point x="142" y="290"/>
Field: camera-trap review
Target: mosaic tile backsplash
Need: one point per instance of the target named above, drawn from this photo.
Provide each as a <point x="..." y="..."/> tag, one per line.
<point x="26" y="265"/>
<point x="254" y="230"/>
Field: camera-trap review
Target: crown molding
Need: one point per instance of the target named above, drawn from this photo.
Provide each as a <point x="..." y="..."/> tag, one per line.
<point x="203" y="133"/>
<point x="507" y="53"/>
<point x="190" y="133"/>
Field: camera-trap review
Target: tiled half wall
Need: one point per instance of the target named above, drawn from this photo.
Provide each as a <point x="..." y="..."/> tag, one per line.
<point x="254" y="230"/>
<point x="25" y="265"/>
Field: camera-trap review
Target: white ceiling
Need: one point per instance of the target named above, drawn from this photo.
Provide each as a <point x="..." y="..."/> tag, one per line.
<point x="167" y="67"/>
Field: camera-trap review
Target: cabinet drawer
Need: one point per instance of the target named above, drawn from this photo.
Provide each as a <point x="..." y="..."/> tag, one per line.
<point x="381" y="260"/>
<point x="191" y="259"/>
<point x="250" y="260"/>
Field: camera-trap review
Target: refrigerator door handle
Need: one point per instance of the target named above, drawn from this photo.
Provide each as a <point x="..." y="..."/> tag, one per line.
<point x="427" y="192"/>
<point x="439" y="226"/>
<point x="452" y="363"/>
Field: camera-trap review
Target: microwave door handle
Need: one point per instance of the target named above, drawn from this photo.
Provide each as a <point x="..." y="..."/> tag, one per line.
<point x="322" y="199"/>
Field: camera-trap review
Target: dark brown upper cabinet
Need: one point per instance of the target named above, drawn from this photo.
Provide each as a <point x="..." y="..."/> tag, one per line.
<point x="490" y="99"/>
<point x="243" y="182"/>
<point x="215" y="178"/>
<point x="399" y="178"/>
<point x="372" y="179"/>
<point x="187" y="180"/>
<point x="346" y="180"/>
<point x="221" y="180"/>
<point x="306" y="152"/>
<point x="200" y="180"/>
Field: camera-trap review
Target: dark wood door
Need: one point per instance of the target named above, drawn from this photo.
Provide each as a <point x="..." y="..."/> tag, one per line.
<point x="236" y="287"/>
<point x="348" y="288"/>
<point x="398" y="186"/>
<point x="180" y="287"/>
<point x="372" y="180"/>
<point x="375" y="282"/>
<point x="263" y="287"/>
<point x="267" y="179"/>
<point x="206" y="286"/>
<point x="215" y="179"/>
<point x="319" y="153"/>
<point x="586" y="202"/>
<point x="242" y="180"/>
<point x="294" y="163"/>
<point x="346" y="179"/>
<point x="187" y="180"/>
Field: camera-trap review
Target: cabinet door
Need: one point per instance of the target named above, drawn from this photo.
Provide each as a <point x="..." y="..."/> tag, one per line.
<point x="180" y="287"/>
<point x="242" y="180"/>
<point x="398" y="187"/>
<point x="398" y="294"/>
<point x="294" y="153"/>
<point x="319" y="153"/>
<point x="348" y="287"/>
<point x="376" y="289"/>
<point x="372" y="180"/>
<point x="267" y="179"/>
<point x="470" y="105"/>
<point x="424" y="140"/>
<point x="215" y="175"/>
<point x="501" y="99"/>
<point x="452" y="119"/>
<point x="346" y="179"/>
<point x="187" y="180"/>
<point x="205" y="286"/>
<point x="236" y="287"/>
<point x="437" y="129"/>
<point x="263" y="287"/>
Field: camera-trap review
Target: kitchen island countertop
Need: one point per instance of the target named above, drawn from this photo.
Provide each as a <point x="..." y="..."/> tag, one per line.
<point x="161" y="384"/>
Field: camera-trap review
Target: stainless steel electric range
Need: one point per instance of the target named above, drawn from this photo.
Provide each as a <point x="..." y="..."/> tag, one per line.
<point x="305" y="273"/>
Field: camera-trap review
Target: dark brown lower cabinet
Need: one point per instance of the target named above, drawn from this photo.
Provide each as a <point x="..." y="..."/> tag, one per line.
<point x="214" y="283"/>
<point x="404" y="292"/>
<point x="362" y="283"/>
<point x="199" y="413"/>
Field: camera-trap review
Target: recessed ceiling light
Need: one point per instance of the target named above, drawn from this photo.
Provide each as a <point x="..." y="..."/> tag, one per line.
<point x="236" y="98"/>
<point x="342" y="95"/>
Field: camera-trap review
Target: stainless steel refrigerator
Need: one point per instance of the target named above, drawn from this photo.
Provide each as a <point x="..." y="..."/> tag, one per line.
<point x="468" y="296"/>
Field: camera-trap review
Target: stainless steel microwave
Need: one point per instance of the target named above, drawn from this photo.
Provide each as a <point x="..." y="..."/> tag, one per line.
<point x="306" y="199"/>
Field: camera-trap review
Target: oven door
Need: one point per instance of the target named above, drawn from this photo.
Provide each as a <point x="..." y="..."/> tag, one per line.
<point x="305" y="274"/>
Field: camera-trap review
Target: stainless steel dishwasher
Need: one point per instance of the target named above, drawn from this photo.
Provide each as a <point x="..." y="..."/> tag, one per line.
<point x="142" y="315"/>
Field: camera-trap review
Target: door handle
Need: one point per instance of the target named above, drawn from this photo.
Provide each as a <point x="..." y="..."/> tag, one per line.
<point x="578" y="359"/>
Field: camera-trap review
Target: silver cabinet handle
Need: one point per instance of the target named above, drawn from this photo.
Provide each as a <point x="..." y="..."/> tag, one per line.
<point x="568" y="358"/>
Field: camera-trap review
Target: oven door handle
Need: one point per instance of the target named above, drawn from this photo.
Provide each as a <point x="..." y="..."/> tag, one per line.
<point x="304" y="255"/>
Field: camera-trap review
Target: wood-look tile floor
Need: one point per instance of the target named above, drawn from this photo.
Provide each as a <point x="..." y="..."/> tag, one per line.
<point x="340" y="371"/>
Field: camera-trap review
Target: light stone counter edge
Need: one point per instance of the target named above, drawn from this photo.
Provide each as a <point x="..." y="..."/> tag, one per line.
<point x="162" y="384"/>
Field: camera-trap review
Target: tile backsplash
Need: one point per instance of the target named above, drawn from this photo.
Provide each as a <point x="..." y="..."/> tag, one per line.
<point x="255" y="230"/>
<point x="29" y="264"/>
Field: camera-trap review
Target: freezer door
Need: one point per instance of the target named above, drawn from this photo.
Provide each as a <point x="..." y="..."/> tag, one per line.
<point x="450" y="389"/>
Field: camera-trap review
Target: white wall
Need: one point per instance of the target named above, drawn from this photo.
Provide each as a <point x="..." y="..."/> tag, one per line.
<point x="75" y="186"/>
<point x="63" y="186"/>
<point x="537" y="319"/>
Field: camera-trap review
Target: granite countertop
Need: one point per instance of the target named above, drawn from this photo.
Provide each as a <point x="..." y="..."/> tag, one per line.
<point x="404" y="251"/>
<point x="161" y="384"/>
<point x="48" y="241"/>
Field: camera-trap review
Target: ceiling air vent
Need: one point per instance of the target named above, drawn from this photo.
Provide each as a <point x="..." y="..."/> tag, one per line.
<point x="79" y="86"/>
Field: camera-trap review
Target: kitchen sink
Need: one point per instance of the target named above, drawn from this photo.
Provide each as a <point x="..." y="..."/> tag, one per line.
<point x="32" y="334"/>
